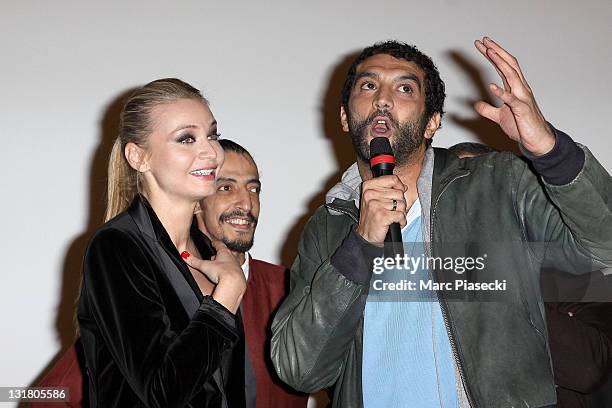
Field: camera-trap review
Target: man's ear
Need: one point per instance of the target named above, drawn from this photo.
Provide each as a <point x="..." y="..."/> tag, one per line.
<point x="343" y="119"/>
<point x="136" y="157"/>
<point x="432" y="125"/>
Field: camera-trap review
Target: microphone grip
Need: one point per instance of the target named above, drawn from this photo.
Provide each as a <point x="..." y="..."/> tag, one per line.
<point x="393" y="241"/>
<point x="382" y="163"/>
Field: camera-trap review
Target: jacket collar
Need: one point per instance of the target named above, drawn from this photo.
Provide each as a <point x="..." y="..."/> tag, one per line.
<point x="348" y="188"/>
<point x="149" y="225"/>
<point x="145" y="218"/>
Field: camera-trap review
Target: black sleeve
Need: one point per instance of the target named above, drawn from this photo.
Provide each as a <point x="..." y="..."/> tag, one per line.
<point x="163" y="367"/>
<point x="562" y="164"/>
<point x="354" y="258"/>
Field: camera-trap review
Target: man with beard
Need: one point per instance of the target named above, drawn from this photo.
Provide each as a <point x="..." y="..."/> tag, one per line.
<point x="230" y="215"/>
<point x="334" y="330"/>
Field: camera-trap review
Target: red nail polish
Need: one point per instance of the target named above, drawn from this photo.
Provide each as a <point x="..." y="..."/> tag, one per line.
<point x="185" y="254"/>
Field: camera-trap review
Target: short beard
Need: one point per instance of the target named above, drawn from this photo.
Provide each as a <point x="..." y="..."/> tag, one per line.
<point x="409" y="138"/>
<point x="238" y="245"/>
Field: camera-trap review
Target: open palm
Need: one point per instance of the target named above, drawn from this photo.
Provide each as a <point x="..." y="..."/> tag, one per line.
<point x="519" y="116"/>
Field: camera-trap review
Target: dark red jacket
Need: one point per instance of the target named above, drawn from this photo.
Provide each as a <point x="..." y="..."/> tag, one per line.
<point x="266" y="288"/>
<point x="66" y="372"/>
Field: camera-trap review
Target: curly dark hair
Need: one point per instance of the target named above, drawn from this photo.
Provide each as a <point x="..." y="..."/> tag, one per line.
<point x="434" y="86"/>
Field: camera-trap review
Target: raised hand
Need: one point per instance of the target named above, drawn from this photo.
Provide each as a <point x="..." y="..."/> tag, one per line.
<point x="519" y="117"/>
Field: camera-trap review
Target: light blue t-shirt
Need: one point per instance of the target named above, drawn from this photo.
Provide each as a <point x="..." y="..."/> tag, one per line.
<point x="407" y="358"/>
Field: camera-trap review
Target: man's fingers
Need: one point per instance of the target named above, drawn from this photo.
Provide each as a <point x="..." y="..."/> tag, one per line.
<point x="387" y="204"/>
<point x="391" y="181"/>
<point x="385" y="194"/>
<point x="403" y="221"/>
<point x="509" y="58"/>
<point x="385" y="216"/>
<point x="483" y="50"/>
<point x="486" y="110"/>
<point x="507" y="97"/>
<point x="481" y="47"/>
<point x="509" y="73"/>
<point x="397" y="205"/>
<point x="396" y="217"/>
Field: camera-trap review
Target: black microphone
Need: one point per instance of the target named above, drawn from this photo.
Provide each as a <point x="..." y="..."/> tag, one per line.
<point x="382" y="163"/>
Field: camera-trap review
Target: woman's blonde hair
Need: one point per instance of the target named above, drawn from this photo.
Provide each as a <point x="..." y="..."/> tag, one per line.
<point x="135" y="127"/>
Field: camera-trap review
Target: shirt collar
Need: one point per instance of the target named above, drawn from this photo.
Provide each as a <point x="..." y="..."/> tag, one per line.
<point x="245" y="265"/>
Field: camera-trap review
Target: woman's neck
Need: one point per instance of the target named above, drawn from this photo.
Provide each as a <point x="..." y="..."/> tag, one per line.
<point x="175" y="215"/>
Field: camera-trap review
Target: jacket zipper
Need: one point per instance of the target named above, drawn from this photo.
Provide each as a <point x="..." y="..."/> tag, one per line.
<point x="442" y="302"/>
<point x="444" y="306"/>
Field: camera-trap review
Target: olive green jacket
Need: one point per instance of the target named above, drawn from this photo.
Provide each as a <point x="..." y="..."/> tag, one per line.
<point x="500" y="347"/>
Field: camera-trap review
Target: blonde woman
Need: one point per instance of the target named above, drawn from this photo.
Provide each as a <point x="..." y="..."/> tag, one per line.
<point x="157" y="319"/>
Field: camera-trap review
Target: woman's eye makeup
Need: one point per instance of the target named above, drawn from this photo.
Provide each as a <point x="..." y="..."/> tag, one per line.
<point x="214" y="136"/>
<point x="185" y="138"/>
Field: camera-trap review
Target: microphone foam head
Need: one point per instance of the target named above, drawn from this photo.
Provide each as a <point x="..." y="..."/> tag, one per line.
<point x="379" y="146"/>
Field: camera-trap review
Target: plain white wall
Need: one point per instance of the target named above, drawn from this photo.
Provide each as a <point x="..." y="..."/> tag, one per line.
<point x="270" y="70"/>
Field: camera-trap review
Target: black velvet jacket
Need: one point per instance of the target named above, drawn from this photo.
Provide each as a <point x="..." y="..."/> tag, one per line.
<point x="151" y="338"/>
